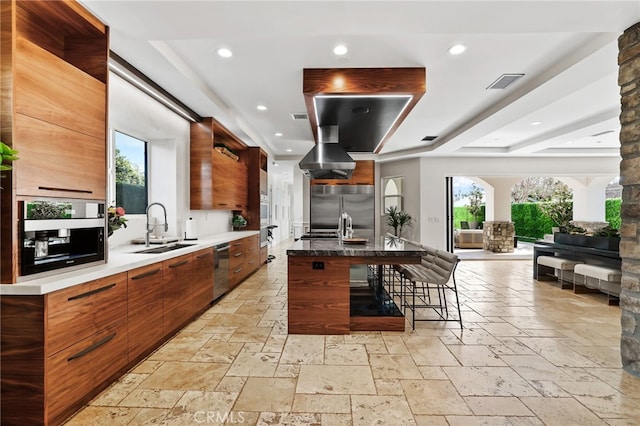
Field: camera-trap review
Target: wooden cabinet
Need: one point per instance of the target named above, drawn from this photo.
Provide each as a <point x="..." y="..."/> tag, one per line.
<point x="74" y="372"/>
<point x="244" y="258"/>
<point x="59" y="349"/>
<point x="229" y="182"/>
<point x="78" y="312"/>
<point x="363" y="174"/>
<point x="54" y="75"/>
<point x="49" y="168"/>
<point x="202" y="279"/>
<point x="144" y="309"/>
<point x="176" y="291"/>
<point x="318" y="295"/>
<point x="217" y="181"/>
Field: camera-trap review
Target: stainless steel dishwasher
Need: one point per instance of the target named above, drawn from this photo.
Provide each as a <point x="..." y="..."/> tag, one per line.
<point x="221" y="270"/>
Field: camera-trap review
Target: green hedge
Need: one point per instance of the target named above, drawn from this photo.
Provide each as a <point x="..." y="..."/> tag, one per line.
<point x="531" y="223"/>
<point x="133" y="198"/>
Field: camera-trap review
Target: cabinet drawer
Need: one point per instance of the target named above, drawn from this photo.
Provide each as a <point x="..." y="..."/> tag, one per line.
<point x="236" y="275"/>
<point x="75" y="371"/>
<point x="202" y="292"/>
<point x="252" y="264"/>
<point x="236" y="258"/>
<point x="78" y="312"/>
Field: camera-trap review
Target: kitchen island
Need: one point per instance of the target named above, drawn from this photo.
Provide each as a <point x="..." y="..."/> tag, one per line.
<point x="321" y="297"/>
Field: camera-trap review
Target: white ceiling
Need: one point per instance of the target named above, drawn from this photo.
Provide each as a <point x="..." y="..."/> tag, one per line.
<point x="566" y="49"/>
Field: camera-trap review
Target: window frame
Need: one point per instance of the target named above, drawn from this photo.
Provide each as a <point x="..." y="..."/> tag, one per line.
<point x="112" y="168"/>
<point x="400" y="195"/>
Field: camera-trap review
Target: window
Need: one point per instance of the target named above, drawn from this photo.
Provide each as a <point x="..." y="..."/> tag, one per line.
<point x="392" y="193"/>
<point x="130" y="161"/>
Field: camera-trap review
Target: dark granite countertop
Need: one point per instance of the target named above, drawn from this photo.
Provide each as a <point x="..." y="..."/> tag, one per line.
<point x="381" y="246"/>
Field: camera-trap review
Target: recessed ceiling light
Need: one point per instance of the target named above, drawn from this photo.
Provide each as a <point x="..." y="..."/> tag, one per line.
<point x="288" y="150"/>
<point x="535" y="123"/>
<point x="457" y="49"/>
<point x="340" y="50"/>
<point x="278" y="134"/>
<point x="276" y="164"/>
<point x="262" y="107"/>
<point x="569" y="142"/>
<point x="225" y="53"/>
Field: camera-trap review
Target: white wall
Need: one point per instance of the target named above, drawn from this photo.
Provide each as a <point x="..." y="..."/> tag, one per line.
<point x="425" y="178"/>
<point x="136" y="114"/>
<point x="413" y="204"/>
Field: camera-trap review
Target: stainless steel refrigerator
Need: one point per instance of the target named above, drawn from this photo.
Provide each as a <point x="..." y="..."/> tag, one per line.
<point x="328" y="202"/>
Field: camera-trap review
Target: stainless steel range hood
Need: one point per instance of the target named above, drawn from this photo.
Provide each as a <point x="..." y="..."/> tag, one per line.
<point x="327" y="159"/>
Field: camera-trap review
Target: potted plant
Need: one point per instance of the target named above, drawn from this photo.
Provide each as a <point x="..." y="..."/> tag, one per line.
<point x="475" y="205"/>
<point x="7" y="155"/>
<point x="238" y="222"/>
<point x="397" y="219"/>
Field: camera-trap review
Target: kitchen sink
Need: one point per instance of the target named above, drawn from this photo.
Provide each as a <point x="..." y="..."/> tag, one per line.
<point x="164" y="249"/>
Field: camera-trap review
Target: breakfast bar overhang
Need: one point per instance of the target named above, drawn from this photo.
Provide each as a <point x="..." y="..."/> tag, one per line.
<point x="321" y="299"/>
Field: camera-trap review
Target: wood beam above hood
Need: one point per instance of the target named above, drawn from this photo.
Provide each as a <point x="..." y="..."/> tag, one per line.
<point x="367" y="104"/>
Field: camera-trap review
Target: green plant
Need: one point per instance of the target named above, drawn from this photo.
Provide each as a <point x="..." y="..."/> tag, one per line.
<point x="606" y="231"/>
<point x="7" y="156"/>
<point x="238" y="221"/>
<point x="572" y="229"/>
<point x="475" y="202"/>
<point x="560" y="208"/>
<point x="397" y="219"/>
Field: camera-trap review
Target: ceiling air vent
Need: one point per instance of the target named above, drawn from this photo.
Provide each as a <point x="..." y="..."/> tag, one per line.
<point x="505" y="80"/>
<point x="428" y="138"/>
<point x="299" y="116"/>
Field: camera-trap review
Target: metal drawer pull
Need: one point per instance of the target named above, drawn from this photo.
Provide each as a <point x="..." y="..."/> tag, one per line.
<point x="91" y="348"/>
<point x="49" y="188"/>
<point x="146" y="274"/>
<point x="92" y="292"/>
<point x="175" y="265"/>
<point x="237" y="254"/>
<point x="237" y="270"/>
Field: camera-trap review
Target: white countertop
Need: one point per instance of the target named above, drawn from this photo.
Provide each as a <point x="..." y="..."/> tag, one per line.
<point x="121" y="259"/>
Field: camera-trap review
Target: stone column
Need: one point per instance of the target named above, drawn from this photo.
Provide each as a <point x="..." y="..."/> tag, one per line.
<point x="498" y="237"/>
<point x="629" y="81"/>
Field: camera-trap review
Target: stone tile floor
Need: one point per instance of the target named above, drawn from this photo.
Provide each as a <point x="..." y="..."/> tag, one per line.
<point x="530" y="354"/>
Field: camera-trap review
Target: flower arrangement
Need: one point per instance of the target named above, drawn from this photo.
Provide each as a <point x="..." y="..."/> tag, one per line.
<point x="115" y="219"/>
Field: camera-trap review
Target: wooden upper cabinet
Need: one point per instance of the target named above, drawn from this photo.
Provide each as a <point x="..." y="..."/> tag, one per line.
<point x="363" y="174"/>
<point x="52" y="90"/>
<point x="58" y="103"/>
<point x="58" y="162"/>
<point x="217" y="181"/>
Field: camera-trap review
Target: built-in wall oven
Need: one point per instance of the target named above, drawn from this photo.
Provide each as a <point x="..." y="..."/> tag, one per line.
<point x="61" y="233"/>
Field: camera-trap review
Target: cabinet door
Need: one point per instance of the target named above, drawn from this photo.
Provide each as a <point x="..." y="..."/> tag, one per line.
<point x="144" y="309"/>
<point x="240" y="181"/>
<point x="54" y="91"/>
<point x="176" y="291"/>
<point x="76" y="371"/>
<point x="224" y="185"/>
<point x="202" y="292"/>
<point x="58" y="162"/>
<point x="318" y="295"/>
<point x="78" y="312"/>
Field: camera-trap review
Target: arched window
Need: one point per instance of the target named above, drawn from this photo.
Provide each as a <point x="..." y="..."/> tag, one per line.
<point x="392" y="193"/>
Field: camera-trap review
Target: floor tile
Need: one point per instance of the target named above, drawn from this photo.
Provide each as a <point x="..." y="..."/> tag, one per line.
<point x="435" y="397"/>
<point x="333" y="379"/>
<point x="371" y="410"/>
<point x="266" y="394"/>
<point x="488" y="381"/>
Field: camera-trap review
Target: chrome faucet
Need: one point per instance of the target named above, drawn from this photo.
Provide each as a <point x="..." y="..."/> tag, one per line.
<point x="152" y="227"/>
